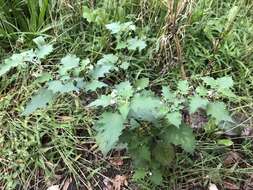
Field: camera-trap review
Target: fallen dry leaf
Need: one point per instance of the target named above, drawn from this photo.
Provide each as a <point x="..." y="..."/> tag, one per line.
<point x="212" y="187"/>
<point x="119" y="181"/>
<point x="232" y="158"/>
<point x="108" y="184"/>
<point x="66" y="184"/>
<point x="248" y="131"/>
<point x="54" y="187"/>
<point x="230" y="186"/>
<point x="116" y="161"/>
<point x="249" y="183"/>
<point x="64" y="119"/>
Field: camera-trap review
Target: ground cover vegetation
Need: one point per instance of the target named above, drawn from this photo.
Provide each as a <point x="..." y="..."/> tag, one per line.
<point x="126" y="94"/>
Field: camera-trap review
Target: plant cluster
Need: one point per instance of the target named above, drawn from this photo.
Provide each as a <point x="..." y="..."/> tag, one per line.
<point x="149" y="123"/>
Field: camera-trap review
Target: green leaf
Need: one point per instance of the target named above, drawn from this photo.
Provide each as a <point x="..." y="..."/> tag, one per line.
<point x="121" y="45"/>
<point x="201" y="91"/>
<point x="87" y="14"/>
<point x="210" y="82"/>
<point x="94" y="85"/>
<point x="183" y="86"/>
<point x="145" y="107"/>
<point x="227" y="93"/>
<point x="134" y="124"/>
<point x="109" y="127"/>
<point x="103" y="101"/>
<point x="104" y="66"/>
<point x="41" y="100"/>
<point x="232" y="14"/>
<point x="139" y="174"/>
<point x="136" y="44"/>
<point x="156" y="177"/>
<point x="67" y="63"/>
<point x="108" y="58"/>
<point x="124" y="109"/>
<point x="197" y="102"/>
<point x="114" y="27"/>
<point x="44" y="77"/>
<point x="225" y="82"/>
<point x="43" y="49"/>
<point x="83" y="67"/>
<point x="39" y="41"/>
<point x="181" y="136"/>
<point x="142" y="83"/>
<point x="167" y="94"/>
<point x="117" y="27"/>
<point x="163" y="153"/>
<point x="225" y="142"/>
<point x="59" y="86"/>
<point x="124" y="90"/>
<point x="218" y="111"/>
<point x="124" y="65"/>
<point x="174" y="118"/>
<point x="16" y="60"/>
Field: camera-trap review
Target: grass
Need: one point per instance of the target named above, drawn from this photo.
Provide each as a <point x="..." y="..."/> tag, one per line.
<point x="200" y="39"/>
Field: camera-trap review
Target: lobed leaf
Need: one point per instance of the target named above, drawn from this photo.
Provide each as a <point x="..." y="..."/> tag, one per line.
<point x="218" y="111"/>
<point x="109" y="127"/>
<point x="181" y="136"/>
<point x="40" y="100"/>
<point x="197" y="102"/>
<point x="174" y="118"/>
